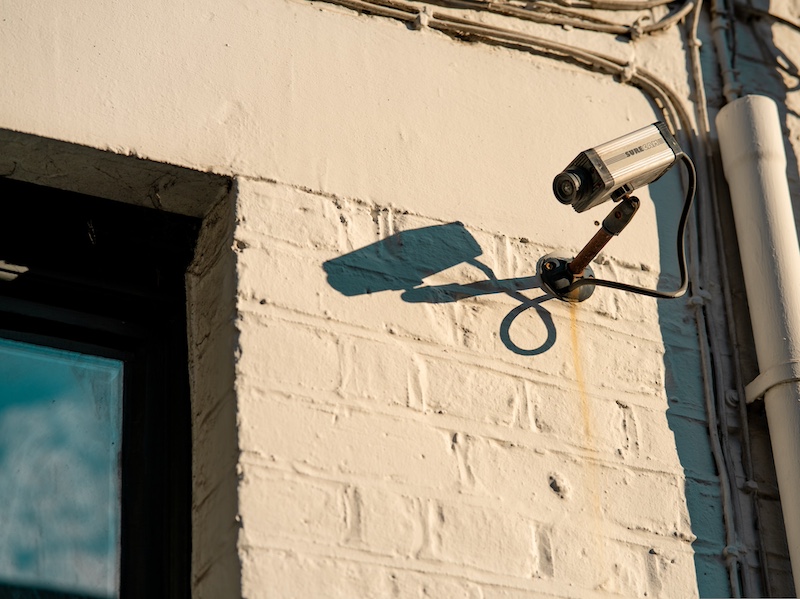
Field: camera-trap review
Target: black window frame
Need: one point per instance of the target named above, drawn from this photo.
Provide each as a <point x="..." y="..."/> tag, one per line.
<point x="108" y="279"/>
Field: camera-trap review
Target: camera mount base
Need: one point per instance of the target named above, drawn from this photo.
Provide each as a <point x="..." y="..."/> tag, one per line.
<point x="557" y="277"/>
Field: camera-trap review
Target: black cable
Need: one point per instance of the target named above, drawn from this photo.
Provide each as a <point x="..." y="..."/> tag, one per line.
<point x="687" y="205"/>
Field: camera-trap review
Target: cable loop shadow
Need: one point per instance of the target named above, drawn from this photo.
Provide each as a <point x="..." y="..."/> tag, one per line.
<point x="401" y="261"/>
<point x="547" y="319"/>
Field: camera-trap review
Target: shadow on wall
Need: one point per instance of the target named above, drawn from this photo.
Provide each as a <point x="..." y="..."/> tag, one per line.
<point x="401" y="261"/>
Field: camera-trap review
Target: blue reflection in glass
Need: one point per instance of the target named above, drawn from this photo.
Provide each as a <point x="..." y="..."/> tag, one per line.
<point x="60" y="432"/>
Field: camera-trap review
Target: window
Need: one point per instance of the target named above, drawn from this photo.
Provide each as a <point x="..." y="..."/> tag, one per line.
<point x="94" y="397"/>
<point x="60" y="430"/>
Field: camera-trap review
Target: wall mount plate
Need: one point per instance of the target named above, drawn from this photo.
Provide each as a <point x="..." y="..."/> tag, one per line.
<point x="556" y="278"/>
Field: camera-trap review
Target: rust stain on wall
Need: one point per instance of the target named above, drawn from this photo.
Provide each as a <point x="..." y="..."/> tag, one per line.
<point x="586" y="415"/>
<point x="591" y="473"/>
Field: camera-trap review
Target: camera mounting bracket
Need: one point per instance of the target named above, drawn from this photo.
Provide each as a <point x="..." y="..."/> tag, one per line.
<point x="558" y="274"/>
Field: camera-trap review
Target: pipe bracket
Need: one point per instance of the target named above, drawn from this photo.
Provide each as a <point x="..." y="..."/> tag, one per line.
<point x="788" y="372"/>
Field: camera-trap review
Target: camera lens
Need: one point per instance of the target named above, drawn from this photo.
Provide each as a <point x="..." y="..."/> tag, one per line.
<point x="567" y="186"/>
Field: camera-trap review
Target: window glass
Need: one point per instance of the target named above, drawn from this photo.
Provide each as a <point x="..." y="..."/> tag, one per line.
<point x="60" y="433"/>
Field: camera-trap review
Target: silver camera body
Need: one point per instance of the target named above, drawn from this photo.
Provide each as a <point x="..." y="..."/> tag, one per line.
<point x="616" y="168"/>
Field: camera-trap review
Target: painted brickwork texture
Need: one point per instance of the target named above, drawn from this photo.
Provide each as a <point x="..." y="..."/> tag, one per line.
<point x="397" y="443"/>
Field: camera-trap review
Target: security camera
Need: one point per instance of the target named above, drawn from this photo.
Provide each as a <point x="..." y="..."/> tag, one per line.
<point x="614" y="169"/>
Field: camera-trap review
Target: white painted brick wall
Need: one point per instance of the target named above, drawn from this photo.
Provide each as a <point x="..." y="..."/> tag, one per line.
<point x="393" y="448"/>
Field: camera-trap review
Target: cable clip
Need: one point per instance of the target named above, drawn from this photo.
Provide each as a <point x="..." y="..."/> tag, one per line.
<point x="699" y="298"/>
<point x="788" y="372"/>
<point x="733" y="552"/>
<point x="732" y="398"/>
<point x="423" y="19"/>
<point x="627" y="73"/>
<point x="636" y="30"/>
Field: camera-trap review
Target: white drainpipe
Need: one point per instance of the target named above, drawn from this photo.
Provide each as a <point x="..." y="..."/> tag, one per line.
<point x="753" y="156"/>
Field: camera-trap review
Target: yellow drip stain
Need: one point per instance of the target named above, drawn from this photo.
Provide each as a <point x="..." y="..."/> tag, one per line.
<point x="591" y="474"/>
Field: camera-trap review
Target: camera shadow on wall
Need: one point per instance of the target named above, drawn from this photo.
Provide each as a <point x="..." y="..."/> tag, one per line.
<point x="402" y="261"/>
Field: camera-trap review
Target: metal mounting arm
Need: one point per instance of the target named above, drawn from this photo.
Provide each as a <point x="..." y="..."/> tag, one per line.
<point x="558" y="274"/>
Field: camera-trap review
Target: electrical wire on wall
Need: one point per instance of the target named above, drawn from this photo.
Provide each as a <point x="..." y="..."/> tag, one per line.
<point x="713" y="375"/>
<point x="665" y="98"/>
<point x="576" y="13"/>
<point x="725" y="40"/>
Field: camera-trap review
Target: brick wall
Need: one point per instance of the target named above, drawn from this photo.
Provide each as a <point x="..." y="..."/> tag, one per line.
<point x="397" y="448"/>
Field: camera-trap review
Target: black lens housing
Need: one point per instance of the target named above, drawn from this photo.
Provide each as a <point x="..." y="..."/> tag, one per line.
<point x="568" y="185"/>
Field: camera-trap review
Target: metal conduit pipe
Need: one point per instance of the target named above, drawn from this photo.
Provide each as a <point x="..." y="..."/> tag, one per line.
<point x="720" y="25"/>
<point x="754" y="160"/>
